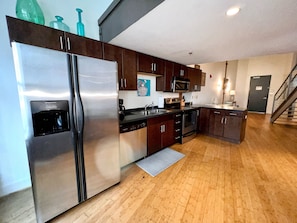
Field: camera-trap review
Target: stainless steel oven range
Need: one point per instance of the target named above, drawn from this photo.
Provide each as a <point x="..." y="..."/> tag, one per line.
<point x="189" y="124"/>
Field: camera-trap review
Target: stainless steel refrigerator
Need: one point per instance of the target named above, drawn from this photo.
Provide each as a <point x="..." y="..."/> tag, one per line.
<point x="69" y="106"/>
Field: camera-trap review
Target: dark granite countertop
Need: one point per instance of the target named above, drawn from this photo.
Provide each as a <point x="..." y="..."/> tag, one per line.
<point x="138" y="113"/>
<point x="220" y="106"/>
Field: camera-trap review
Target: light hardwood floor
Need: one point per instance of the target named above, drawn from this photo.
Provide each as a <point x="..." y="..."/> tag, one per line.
<point x="216" y="181"/>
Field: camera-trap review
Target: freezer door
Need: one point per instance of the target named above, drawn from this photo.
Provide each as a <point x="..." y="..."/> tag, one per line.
<point x="43" y="85"/>
<point x="97" y="81"/>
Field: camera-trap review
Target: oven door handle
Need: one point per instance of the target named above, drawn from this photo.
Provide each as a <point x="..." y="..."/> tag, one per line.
<point x="189" y="133"/>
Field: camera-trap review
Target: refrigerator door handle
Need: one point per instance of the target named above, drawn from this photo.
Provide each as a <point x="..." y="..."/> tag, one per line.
<point x="78" y="110"/>
<point x="78" y="113"/>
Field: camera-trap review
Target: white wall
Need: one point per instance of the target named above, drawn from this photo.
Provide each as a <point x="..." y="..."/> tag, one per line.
<point x="215" y="72"/>
<point x="14" y="171"/>
<point x="132" y="100"/>
<point x="276" y="66"/>
<point x="239" y="73"/>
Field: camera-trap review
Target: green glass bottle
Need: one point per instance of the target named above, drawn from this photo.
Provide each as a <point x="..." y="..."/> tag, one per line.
<point x="59" y="24"/>
<point x="29" y="10"/>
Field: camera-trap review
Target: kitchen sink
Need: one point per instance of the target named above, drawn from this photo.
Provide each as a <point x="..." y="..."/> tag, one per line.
<point x="149" y="112"/>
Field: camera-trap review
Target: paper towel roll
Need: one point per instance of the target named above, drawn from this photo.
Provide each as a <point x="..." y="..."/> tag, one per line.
<point x="161" y="102"/>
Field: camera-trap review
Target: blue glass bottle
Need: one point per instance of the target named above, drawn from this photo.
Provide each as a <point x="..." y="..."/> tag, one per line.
<point x="29" y="10"/>
<point x="79" y="25"/>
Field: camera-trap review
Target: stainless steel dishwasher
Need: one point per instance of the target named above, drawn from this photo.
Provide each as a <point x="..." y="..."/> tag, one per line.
<point x="133" y="142"/>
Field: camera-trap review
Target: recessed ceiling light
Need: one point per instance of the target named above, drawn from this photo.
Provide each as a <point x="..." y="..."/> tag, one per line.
<point x="232" y="11"/>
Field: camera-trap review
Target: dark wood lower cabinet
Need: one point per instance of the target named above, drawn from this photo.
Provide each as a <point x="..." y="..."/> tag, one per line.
<point x="203" y="120"/>
<point x="160" y="133"/>
<point x="224" y="124"/>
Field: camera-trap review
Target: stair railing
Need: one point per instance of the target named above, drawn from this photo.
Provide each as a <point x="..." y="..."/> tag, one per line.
<point x="285" y="89"/>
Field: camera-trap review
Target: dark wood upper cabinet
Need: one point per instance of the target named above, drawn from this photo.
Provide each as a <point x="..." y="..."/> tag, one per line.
<point x="180" y="70"/>
<point x="37" y="35"/>
<point x="113" y="53"/>
<point x="163" y="83"/>
<point x="83" y="46"/>
<point x="34" y="34"/>
<point x="150" y="64"/>
<point x="203" y="78"/>
<point x="127" y="70"/>
<point x="130" y="69"/>
<point x="195" y="78"/>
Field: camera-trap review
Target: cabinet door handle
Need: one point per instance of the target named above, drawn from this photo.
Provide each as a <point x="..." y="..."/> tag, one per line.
<point x="178" y="137"/>
<point x="161" y="128"/>
<point x="122" y="83"/>
<point x="68" y="43"/>
<point x="152" y="66"/>
<point x="125" y="82"/>
<point x="233" y="114"/>
<point x="178" y="122"/>
<point x="61" y="42"/>
<point x="222" y="120"/>
<point x="155" y="67"/>
<point x="164" y="129"/>
<point x="178" y="115"/>
<point x="217" y="112"/>
<point x="177" y="130"/>
<point x="182" y="73"/>
<point x="225" y="121"/>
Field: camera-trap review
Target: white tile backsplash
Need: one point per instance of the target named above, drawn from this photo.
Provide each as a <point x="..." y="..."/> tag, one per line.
<point x="132" y="100"/>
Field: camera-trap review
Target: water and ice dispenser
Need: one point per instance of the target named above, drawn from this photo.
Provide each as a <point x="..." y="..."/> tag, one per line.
<point x="50" y="117"/>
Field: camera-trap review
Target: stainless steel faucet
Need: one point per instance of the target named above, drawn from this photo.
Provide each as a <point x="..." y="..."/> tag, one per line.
<point x="147" y="106"/>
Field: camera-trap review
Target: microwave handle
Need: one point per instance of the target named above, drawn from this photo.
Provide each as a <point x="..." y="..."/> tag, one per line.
<point x="172" y="86"/>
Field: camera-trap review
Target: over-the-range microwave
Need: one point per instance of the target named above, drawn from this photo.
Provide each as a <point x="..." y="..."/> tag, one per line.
<point x="180" y="84"/>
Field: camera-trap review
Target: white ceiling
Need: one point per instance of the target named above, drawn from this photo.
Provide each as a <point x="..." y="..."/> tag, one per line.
<point x="175" y="28"/>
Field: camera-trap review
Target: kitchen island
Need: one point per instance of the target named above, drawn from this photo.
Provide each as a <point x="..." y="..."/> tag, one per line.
<point x="222" y="121"/>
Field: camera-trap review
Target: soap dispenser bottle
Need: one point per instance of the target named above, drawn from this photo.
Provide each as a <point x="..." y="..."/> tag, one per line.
<point x="79" y="25"/>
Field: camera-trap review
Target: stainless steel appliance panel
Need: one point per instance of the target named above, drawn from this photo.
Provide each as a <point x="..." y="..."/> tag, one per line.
<point x="51" y="157"/>
<point x="189" y="125"/>
<point x="99" y="94"/>
<point x="189" y="121"/>
<point x="133" y="142"/>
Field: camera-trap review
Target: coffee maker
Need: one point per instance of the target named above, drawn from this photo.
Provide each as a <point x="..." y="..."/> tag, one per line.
<point x="121" y="109"/>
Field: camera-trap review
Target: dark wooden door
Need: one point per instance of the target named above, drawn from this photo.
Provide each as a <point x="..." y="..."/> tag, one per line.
<point x="232" y="128"/>
<point x="163" y="83"/>
<point x="153" y="137"/>
<point x="130" y="69"/>
<point x="159" y="66"/>
<point x="144" y="63"/>
<point x="168" y="134"/>
<point x="33" y="34"/>
<point x="180" y="70"/>
<point x="114" y="53"/>
<point x="83" y="46"/>
<point x="204" y="120"/>
<point x="195" y="78"/>
<point x="258" y="94"/>
<point x="216" y="122"/>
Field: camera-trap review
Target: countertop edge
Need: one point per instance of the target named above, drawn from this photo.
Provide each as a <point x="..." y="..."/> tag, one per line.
<point x="133" y="118"/>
